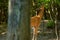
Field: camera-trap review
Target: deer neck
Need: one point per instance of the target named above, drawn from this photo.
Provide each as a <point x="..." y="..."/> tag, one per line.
<point x="40" y="14"/>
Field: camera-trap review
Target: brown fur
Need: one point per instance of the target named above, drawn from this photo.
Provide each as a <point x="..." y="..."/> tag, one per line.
<point x="35" y="21"/>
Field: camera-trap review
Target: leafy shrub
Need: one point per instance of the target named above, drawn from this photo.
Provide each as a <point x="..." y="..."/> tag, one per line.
<point x="50" y="24"/>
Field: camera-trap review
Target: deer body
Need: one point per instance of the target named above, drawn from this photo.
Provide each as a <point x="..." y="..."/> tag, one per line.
<point x="35" y="22"/>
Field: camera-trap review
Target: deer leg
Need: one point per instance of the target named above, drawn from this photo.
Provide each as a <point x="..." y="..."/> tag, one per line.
<point x="33" y="38"/>
<point x="36" y="33"/>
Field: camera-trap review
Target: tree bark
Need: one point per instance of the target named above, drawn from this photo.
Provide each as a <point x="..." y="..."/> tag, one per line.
<point x="19" y="20"/>
<point x="25" y="20"/>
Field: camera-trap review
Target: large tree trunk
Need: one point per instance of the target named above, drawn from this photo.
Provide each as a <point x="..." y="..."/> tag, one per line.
<point x="25" y="20"/>
<point x="19" y="20"/>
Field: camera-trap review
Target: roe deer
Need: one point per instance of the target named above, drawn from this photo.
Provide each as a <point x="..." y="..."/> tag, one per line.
<point x="35" y="22"/>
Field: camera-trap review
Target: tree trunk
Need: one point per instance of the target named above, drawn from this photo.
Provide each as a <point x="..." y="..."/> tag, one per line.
<point x="19" y="20"/>
<point x="25" y="20"/>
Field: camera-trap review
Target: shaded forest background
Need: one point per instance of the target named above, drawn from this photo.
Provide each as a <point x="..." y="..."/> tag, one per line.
<point x="3" y="15"/>
<point x="4" y="12"/>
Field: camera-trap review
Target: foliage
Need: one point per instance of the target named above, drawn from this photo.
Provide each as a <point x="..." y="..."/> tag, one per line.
<point x="57" y="2"/>
<point x="3" y="15"/>
<point x="50" y="24"/>
<point x="3" y="10"/>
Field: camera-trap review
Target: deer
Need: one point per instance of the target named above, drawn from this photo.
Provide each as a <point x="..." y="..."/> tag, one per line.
<point x="35" y="22"/>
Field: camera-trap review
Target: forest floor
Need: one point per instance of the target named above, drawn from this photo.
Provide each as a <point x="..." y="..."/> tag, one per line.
<point x="43" y="35"/>
<point x="40" y="37"/>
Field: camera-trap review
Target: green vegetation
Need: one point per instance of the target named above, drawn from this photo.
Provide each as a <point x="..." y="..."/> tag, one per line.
<point x="38" y="3"/>
<point x="3" y="15"/>
<point x="3" y="11"/>
<point x="50" y="24"/>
